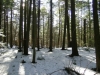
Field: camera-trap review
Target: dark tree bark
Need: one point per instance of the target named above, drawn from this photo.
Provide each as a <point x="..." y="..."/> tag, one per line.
<point x="5" y="24"/>
<point x="96" y="34"/>
<point x="51" y="25"/>
<point x="11" y="30"/>
<point x="84" y="32"/>
<point x="68" y="31"/>
<point x="1" y="1"/>
<point x="65" y="23"/>
<point x="73" y="30"/>
<point x="1" y="6"/>
<point x="38" y="22"/>
<point x="20" y="26"/>
<point x="28" y="29"/>
<point x="7" y="28"/>
<point x="34" y="30"/>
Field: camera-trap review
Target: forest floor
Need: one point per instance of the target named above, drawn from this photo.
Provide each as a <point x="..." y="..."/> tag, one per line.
<point x="47" y="63"/>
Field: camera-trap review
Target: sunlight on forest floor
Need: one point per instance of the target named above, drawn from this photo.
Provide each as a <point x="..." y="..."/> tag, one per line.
<point x="48" y="63"/>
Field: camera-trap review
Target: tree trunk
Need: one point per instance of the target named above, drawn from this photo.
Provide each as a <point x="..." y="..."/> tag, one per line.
<point x="89" y="24"/>
<point x="25" y="27"/>
<point x="28" y="28"/>
<point x="96" y="34"/>
<point x="11" y="30"/>
<point x="73" y="30"/>
<point x="84" y="32"/>
<point x="7" y="28"/>
<point x="34" y="29"/>
<point x="47" y="38"/>
<point x="51" y="25"/>
<point x="65" y="23"/>
<point x="1" y="6"/>
<point x="68" y="31"/>
<point x="43" y="31"/>
<point x="1" y="1"/>
<point x="20" y="26"/>
<point x="59" y="25"/>
<point x="38" y="22"/>
<point x="5" y="24"/>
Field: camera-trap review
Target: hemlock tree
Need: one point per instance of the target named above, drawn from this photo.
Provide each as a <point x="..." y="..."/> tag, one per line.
<point x="96" y="34"/>
<point x="73" y="30"/>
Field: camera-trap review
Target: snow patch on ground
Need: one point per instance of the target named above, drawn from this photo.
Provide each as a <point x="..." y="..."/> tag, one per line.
<point x="52" y="64"/>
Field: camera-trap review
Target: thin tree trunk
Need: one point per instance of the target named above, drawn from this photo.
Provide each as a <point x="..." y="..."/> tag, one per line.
<point x="68" y="31"/>
<point x="7" y="28"/>
<point x="43" y="31"/>
<point x="11" y="30"/>
<point x="25" y="26"/>
<point x="51" y="25"/>
<point x="38" y="22"/>
<point x="5" y="24"/>
<point x="47" y="39"/>
<point x="59" y="26"/>
<point x="0" y="11"/>
<point x="84" y="32"/>
<point x="81" y="31"/>
<point x="89" y="24"/>
<point x="1" y="3"/>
